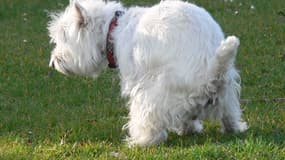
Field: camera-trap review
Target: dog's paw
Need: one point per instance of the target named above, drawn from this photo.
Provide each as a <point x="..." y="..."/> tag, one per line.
<point x="193" y="127"/>
<point x="240" y="127"/>
<point x="144" y="139"/>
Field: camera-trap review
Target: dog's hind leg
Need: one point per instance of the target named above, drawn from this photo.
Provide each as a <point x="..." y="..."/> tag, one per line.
<point x="231" y="112"/>
<point x="224" y="79"/>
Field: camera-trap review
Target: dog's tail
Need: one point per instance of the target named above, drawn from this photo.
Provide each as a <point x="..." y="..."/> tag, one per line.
<point x="224" y="58"/>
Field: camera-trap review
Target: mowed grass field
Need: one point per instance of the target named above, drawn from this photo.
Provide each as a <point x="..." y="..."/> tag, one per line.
<point x="46" y="115"/>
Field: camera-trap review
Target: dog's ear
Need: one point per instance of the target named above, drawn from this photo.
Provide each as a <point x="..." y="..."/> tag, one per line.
<point x="81" y="14"/>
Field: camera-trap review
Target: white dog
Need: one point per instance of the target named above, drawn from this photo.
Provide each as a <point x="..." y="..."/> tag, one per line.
<point x="175" y="65"/>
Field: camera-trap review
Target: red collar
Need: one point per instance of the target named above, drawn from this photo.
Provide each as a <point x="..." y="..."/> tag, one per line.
<point x="110" y="40"/>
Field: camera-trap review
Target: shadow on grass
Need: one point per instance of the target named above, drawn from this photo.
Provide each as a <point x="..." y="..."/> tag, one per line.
<point x="213" y="136"/>
<point x="106" y="127"/>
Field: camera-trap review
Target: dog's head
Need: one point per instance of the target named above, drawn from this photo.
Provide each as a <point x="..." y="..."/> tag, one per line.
<point x="78" y="36"/>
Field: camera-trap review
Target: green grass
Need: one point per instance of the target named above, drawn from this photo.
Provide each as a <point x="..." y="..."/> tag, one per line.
<point x="45" y="115"/>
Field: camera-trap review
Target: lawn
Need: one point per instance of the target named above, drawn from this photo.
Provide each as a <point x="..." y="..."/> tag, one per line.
<point x="46" y="115"/>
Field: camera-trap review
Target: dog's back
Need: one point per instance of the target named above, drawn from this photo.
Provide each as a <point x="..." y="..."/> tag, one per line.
<point x="178" y="38"/>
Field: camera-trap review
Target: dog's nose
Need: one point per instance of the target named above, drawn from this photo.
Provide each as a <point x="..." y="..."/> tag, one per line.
<point x="51" y="64"/>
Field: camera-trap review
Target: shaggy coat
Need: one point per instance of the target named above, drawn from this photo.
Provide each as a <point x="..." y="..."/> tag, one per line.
<point x="175" y="64"/>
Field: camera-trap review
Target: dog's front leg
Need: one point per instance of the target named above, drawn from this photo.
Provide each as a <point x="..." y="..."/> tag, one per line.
<point x="147" y="124"/>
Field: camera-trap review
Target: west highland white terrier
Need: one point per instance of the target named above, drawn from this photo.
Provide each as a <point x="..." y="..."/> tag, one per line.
<point x="176" y="66"/>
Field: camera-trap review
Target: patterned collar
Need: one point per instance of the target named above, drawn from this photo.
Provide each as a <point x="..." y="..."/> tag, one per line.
<point x="110" y="40"/>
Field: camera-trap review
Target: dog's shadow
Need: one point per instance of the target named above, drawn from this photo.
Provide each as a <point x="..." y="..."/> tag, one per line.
<point x="212" y="136"/>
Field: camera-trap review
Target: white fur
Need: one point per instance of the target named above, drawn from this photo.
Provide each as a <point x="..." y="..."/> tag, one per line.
<point x="175" y="65"/>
